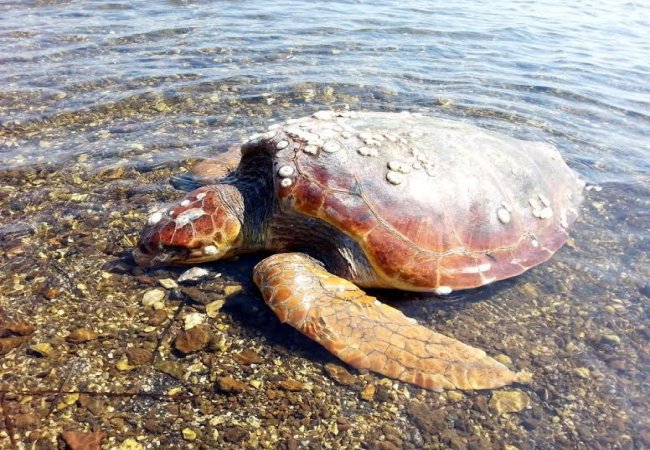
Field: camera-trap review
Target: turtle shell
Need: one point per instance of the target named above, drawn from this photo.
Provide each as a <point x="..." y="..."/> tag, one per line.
<point x="436" y="205"/>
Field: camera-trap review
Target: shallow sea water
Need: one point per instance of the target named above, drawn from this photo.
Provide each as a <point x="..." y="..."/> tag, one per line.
<point x="101" y="101"/>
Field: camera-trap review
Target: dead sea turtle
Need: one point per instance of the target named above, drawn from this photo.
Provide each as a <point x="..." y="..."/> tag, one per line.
<point x="377" y="200"/>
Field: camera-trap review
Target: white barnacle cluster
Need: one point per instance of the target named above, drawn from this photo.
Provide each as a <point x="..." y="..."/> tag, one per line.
<point x="367" y="151"/>
<point x="503" y="213"/>
<point x="154" y="218"/>
<point x="443" y="290"/>
<point x="541" y="207"/>
<point x="397" y="171"/>
<point x="189" y="216"/>
<point x="422" y="162"/>
<point x="371" y="139"/>
<point x="331" y="147"/>
<point x="285" y="173"/>
<point x="564" y="220"/>
<point x="399" y="166"/>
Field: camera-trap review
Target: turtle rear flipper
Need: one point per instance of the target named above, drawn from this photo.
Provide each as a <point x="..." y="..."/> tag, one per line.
<point x="367" y="334"/>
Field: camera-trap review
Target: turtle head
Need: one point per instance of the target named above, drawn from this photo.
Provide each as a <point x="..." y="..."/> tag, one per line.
<point x="205" y="225"/>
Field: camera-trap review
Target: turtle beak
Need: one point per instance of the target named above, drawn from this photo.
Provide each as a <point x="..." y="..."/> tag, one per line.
<point x="168" y="255"/>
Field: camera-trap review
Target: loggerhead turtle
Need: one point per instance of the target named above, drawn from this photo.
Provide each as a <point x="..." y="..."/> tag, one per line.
<point x="377" y="200"/>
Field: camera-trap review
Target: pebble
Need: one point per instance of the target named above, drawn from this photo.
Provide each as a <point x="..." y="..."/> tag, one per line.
<point x="232" y="289"/>
<point x="81" y="335"/>
<point x="530" y="290"/>
<point x="610" y="339"/>
<point x="156" y="317"/>
<point x="197" y="295"/>
<point x="19" y="327"/>
<point x="193" y="274"/>
<point x="42" y="349"/>
<point x="172" y="368"/>
<point x="154" y="298"/>
<point x="229" y="384"/>
<point x="130" y="444"/>
<point x="193" y="319"/>
<point x="504" y="402"/>
<point x="22" y="421"/>
<point x="123" y="364"/>
<point x="9" y="343"/>
<point x="504" y="359"/>
<point x="168" y="283"/>
<point x="193" y="339"/>
<point x="138" y="356"/>
<point x="291" y="385"/>
<point x="340" y="374"/>
<point x="582" y="372"/>
<point x="248" y="357"/>
<point x="189" y="434"/>
<point x="212" y="309"/>
<point x="368" y="392"/>
<point x="83" y="440"/>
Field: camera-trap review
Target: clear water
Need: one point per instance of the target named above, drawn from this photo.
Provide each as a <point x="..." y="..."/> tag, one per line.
<point x="141" y="83"/>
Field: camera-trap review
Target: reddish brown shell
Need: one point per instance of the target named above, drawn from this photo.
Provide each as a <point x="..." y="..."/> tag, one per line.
<point x="435" y="204"/>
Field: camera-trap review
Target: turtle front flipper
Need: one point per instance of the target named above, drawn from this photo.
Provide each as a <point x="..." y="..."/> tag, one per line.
<point x="209" y="171"/>
<point x="367" y="334"/>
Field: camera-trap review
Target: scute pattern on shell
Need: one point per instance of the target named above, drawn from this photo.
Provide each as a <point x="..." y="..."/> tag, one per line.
<point x="460" y="214"/>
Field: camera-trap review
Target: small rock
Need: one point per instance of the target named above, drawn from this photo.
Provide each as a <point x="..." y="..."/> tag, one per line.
<point x="194" y="339"/>
<point x="255" y="383"/>
<point x="156" y="317"/>
<point x="291" y="385"/>
<point x="153" y="426"/>
<point x="480" y="403"/>
<point x="530" y="290"/>
<point x="232" y="289"/>
<point x="189" y="434"/>
<point x="229" y="384"/>
<point x="81" y="335"/>
<point x="386" y="445"/>
<point x="454" y="396"/>
<point x="67" y="400"/>
<point x="610" y="339"/>
<point x="168" y="283"/>
<point x="197" y="295"/>
<point x="18" y="327"/>
<point x="212" y="309"/>
<point x="248" y="357"/>
<point x="23" y="421"/>
<point x="235" y="434"/>
<point x="154" y="298"/>
<point x="368" y="392"/>
<point x="340" y="374"/>
<point x="84" y="440"/>
<point x="139" y="356"/>
<point x="9" y="343"/>
<point x="130" y="444"/>
<point x="582" y="372"/>
<point x="42" y="349"/>
<point x="504" y="359"/>
<point x="172" y="368"/>
<point x="123" y="364"/>
<point x="503" y="402"/>
<point x="193" y="319"/>
<point x="427" y="420"/>
<point x="193" y="274"/>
